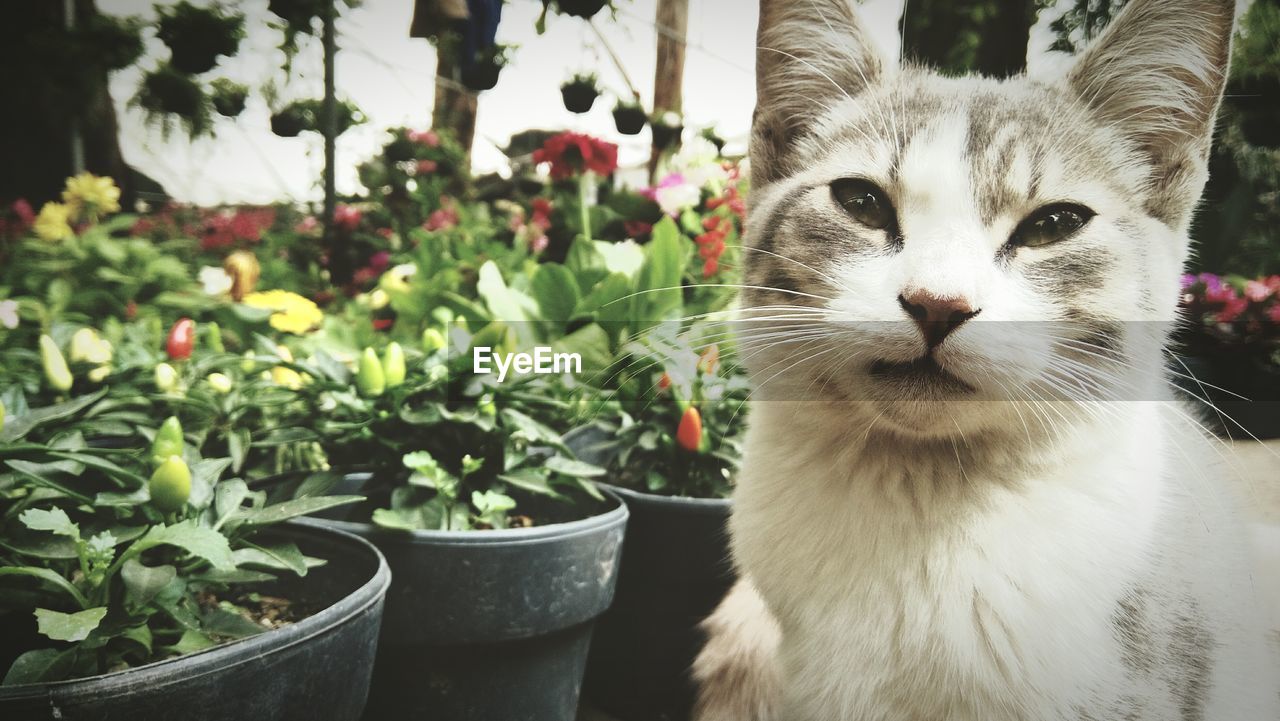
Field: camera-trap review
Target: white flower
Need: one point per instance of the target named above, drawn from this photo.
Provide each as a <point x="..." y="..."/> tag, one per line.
<point x="671" y="119"/>
<point x="216" y="281"/>
<point x="9" y="313"/>
<point x="677" y="197"/>
<point x="699" y="162"/>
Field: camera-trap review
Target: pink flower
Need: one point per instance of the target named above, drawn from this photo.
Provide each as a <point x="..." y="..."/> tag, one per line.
<point x="1273" y="313"/>
<point x="26" y="214"/>
<point x="539" y="244"/>
<point x="380" y="260"/>
<point x="1232" y="310"/>
<point x="308" y="224"/>
<point x="347" y="217"/>
<point x="428" y="138"/>
<point x="425" y="167"/>
<point x="1256" y="291"/>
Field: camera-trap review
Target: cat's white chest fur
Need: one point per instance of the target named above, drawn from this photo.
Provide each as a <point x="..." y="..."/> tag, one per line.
<point x="916" y="589"/>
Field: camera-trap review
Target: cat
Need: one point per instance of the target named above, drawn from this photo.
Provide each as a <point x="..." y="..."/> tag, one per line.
<point x="967" y="492"/>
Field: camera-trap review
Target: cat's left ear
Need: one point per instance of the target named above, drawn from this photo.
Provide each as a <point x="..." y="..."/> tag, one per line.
<point x="1157" y="74"/>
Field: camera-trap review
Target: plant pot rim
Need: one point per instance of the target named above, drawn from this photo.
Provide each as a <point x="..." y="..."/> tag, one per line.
<point x="181" y="669"/>
<point x="616" y="515"/>
<point x="687" y="504"/>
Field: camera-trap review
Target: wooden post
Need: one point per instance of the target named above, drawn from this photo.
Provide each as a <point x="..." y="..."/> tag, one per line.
<point x="455" y="106"/>
<point x="329" y="123"/>
<point x="672" y="23"/>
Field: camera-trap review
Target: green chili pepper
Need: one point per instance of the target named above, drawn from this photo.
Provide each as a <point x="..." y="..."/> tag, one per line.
<point x="168" y="441"/>
<point x="55" y="366"/>
<point x="432" y="340"/>
<point x="215" y="337"/>
<point x="393" y="364"/>
<point x="170" y="485"/>
<point x="369" y="377"/>
<point x="166" y="377"/>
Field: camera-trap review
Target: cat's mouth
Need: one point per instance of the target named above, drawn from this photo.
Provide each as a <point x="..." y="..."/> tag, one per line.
<point x="921" y="373"/>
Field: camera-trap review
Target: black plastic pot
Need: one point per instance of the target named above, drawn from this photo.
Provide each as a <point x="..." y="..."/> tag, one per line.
<point x="578" y="98"/>
<point x="675" y="571"/>
<point x="229" y="104"/>
<point x="664" y="136"/>
<point x="288" y="123"/>
<point x="580" y="8"/>
<point x="481" y="75"/>
<point x="629" y="120"/>
<point x="491" y="625"/>
<point x="317" y="668"/>
<point x="1227" y="382"/>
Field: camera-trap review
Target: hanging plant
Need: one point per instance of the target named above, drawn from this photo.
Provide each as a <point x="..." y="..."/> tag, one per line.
<point x="302" y="115"/>
<point x="167" y="93"/>
<point x="482" y="73"/>
<point x="229" y="97"/>
<point x="584" y="9"/>
<point x="112" y="42"/>
<point x="714" y="138"/>
<point x="667" y="129"/>
<point x="580" y="92"/>
<point x="197" y="36"/>
<point x="629" y="117"/>
<point x="299" y="18"/>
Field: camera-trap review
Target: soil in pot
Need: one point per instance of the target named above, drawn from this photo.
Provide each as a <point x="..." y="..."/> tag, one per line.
<point x="578" y="98"/>
<point x="629" y="120"/>
<point x="487" y="625"/>
<point x="315" y="668"/>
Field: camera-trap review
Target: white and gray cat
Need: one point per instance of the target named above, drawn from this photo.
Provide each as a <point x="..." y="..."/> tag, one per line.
<point x="967" y="494"/>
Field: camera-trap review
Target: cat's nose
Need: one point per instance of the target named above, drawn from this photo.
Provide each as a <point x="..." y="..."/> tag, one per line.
<point x="936" y="316"/>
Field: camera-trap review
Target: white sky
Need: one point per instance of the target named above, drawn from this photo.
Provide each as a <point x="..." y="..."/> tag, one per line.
<point x="391" y="77"/>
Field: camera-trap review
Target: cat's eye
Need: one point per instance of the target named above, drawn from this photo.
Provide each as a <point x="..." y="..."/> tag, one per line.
<point x="1051" y="224"/>
<point x="865" y="203"/>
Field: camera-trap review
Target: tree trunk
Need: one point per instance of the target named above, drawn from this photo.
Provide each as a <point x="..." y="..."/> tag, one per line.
<point x="672" y="22"/>
<point x="455" y="106"/>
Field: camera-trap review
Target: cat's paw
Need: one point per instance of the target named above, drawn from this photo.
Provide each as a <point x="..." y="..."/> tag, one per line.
<point x="736" y="672"/>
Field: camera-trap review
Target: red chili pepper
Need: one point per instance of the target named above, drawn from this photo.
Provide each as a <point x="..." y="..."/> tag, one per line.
<point x="182" y="339"/>
<point x="689" y="434"/>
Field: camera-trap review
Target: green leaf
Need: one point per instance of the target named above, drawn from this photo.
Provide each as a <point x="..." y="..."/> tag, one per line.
<point x="504" y="303"/>
<point x="69" y="626"/>
<point x="45" y="664"/>
<point x="53" y="520"/>
<point x="143" y="583"/>
<point x="191" y="642"/>
<point x="284" y="556"/>
<point x="572" y="467"/>
<point x="238" y="442"/>
<point x="49" y="576"/>
<point x="533" y="480"/>
<point x="658" y="284"/>
<point x="205" y="543"/>
<point x="16" y="428"/>
<point x="228" y="624"/>
<point x="556" y="291"/>
<point x="290" y="509"/>
<point x="228" y="497"/>
<point x="204" y="477"/>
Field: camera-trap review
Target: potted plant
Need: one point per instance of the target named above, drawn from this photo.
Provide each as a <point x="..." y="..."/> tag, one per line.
<point x="483" y="71"/>
<point x="196" y="36"/>
<point x="1230" y="360"/>
<point x="671" y="451"/>
<point x="667" y="129"/>
<point x="142" y="577"/>
<point x="585" y="9"/>
<point x="629" y="117"/>
<point x="228" y="97"/>
<point x="503" y="552"/>
<point x="580" y="92"/>
<point x="168" y="93"/>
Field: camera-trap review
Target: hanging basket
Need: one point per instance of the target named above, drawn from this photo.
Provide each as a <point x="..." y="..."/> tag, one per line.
<point x="581" y="8"/>
<point x="666" y="135"/>
<point x="579" y="97"/>
<point x="481" y="75"/>
<point x="197" y="36"/>
<point x="228" y="97"/>
<point x="629" y="119"/>
<point x="290" y="121"/>
<point x="166" y="90"/>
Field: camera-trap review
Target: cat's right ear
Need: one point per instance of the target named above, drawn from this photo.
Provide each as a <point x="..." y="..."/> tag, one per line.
<point x="810" y="54"/>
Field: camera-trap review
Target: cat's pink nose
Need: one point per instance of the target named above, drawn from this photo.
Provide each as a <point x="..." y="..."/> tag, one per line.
<point x="936" y="316"/>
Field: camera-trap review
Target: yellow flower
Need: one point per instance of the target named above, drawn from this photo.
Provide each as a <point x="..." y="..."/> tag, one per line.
<point x="86" y="189"/>
<point x="53" y="222"/>
<point x="293" y="313"/>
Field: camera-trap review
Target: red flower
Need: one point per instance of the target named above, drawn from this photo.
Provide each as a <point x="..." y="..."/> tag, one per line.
<point x="425" y="167"/>
<point x="1273" y="313"/>
<point x="347" y="217"/>
<point x="571" y="154"/>
<point x="1233" y="309"/>
<point x="637" y="228"/>
<point x="26" y="214"/>
<point x="444" y="218"/>
<point x="541" y="213"/>
<point x="428" y="138"/>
